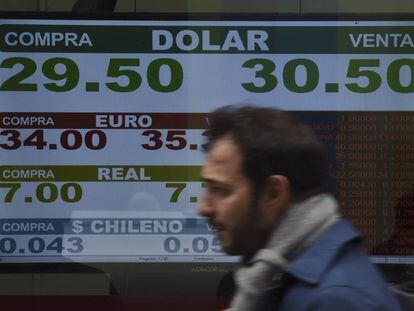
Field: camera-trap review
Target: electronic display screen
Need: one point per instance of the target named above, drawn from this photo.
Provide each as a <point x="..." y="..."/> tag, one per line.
<point x="102" y="124"/>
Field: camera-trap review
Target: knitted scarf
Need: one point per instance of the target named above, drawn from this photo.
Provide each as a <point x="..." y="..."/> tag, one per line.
<point x="299" y="226"/>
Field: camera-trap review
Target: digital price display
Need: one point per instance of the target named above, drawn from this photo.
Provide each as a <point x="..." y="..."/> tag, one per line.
<point x="102" y="127"/>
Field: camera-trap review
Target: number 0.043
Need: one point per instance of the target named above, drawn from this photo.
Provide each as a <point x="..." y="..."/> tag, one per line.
<point x="38" y="245"/>
<point x="364" y="71"/>
<point x="119" y="69"/>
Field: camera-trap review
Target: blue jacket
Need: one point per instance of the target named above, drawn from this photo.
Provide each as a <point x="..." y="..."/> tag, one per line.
<point x="333" y="274"/>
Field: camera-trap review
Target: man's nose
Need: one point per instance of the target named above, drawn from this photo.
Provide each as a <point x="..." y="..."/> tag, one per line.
<point x="205" y="207"/>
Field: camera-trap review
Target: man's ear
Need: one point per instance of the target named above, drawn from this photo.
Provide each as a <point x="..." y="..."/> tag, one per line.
<point x="277" y="196"/>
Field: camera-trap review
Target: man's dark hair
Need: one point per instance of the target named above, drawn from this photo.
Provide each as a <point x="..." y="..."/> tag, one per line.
<point x="272" y="143"/>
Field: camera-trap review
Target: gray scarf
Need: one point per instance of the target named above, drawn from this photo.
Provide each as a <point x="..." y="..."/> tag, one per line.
<point x="298" y="227"/>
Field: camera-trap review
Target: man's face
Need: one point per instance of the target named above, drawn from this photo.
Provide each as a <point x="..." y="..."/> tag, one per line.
<point x="228" y="200"/>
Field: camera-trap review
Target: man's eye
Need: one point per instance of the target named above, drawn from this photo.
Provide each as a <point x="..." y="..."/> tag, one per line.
<point x="219" y="191"/>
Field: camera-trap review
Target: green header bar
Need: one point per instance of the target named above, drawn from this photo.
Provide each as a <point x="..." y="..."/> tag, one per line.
<point x="96" y="173"/>
<point x="208" y="39"/>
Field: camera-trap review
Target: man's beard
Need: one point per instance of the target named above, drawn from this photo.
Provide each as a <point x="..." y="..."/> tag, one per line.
<point x="250" y="234"/>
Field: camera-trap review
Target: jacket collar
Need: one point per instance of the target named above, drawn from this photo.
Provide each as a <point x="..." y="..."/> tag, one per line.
<point x="313" y="262"/>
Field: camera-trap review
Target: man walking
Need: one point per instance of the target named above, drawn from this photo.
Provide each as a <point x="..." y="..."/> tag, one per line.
<point x="265" y="198"/>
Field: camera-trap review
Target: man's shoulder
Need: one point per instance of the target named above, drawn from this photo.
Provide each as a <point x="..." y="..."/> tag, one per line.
<point x="340" y="274"/>
<point x="347" y="285"/>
